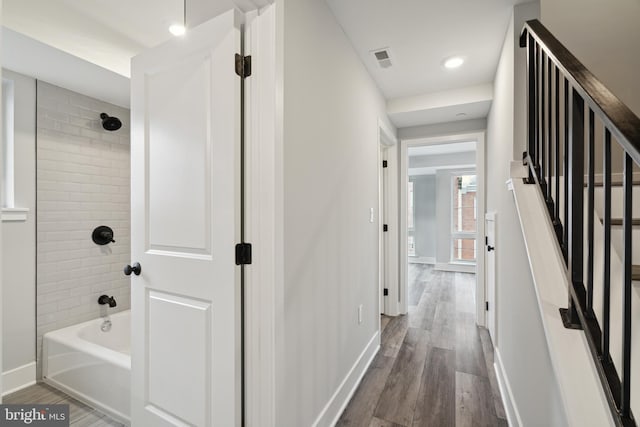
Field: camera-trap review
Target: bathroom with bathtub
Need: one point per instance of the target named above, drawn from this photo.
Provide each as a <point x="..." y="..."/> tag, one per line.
<point x="66" y="223"/>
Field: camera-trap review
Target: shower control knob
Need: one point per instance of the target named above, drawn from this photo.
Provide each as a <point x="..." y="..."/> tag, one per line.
<point x="135" y="269"/>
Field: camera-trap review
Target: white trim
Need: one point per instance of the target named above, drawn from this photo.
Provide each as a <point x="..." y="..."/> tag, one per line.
<point x="334" y="408"/>
<point x="14" y="214"/>
<point x="510" y="408"/>
<point x="455" y="267"/>
<point x="1" y="281"/>
<point x="422" y="260"/>
<point x="479" y="137"/>
<point x="262" y="284"/>
<point x="388" y="202"/>
<point x="386" y="135"/>
<point x="19" y="378"/>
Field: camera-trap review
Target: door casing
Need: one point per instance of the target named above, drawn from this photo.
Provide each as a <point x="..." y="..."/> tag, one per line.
<point x="479" y="138"/>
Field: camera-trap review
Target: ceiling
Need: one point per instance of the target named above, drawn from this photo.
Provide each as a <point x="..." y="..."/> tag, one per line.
<point x="446" y="148"/>
<point x="108" y="32"/>
<point x="421" y="35"/>
<point x="430" y="158"/>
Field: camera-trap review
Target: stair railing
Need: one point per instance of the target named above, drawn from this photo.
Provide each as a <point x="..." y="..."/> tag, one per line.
<point x="557" y="144"/>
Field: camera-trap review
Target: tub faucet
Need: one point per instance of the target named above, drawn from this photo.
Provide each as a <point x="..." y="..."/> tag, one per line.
<point x="105" y="299"/>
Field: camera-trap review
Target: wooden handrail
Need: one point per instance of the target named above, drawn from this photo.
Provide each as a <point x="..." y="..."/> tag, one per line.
<point x="617" y="117"/>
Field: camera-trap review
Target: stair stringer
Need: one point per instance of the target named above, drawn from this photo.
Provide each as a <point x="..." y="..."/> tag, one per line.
<point x="582" y="395"/>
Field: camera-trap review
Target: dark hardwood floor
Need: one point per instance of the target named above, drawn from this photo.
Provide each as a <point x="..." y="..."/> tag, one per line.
<point x="80" y="414"/>
<point x="435" y="366"/>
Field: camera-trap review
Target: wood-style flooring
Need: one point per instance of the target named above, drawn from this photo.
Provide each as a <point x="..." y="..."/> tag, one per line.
<point x="435" y="366"/>
<point x="80" y="414"/>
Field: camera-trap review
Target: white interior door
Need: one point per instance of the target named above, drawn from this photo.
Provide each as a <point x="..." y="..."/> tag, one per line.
<point x="490" y="221"/>
<point x="185" y="351"/>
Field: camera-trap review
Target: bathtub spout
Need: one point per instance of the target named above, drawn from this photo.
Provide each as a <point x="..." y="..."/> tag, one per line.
<point x="105" y="299"/>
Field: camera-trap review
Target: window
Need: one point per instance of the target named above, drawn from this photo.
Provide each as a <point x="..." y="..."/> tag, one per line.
<point x="7" y="144"/>
<point x="464" y="218"/>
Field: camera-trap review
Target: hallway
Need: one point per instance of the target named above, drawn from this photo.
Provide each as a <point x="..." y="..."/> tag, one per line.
<point x="435" y="366"/>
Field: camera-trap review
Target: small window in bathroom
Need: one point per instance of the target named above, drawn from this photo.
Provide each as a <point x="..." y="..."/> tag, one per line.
<point x="7" y="143"/>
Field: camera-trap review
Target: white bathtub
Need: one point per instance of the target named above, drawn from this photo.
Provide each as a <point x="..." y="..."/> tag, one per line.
<point x="91" y="365"/>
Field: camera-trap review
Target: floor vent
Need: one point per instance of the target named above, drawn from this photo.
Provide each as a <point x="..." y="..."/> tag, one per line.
<point x="383" y="57"/>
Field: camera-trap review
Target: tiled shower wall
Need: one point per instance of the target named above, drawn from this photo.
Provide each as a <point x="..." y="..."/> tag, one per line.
<point x="82" y="182"/>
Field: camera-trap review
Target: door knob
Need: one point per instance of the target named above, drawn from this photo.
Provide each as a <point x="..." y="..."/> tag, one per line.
<point x="135" y="269"/>
<point x="490" y="248"/>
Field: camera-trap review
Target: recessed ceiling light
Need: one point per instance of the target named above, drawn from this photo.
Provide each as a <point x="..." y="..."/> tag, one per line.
<point x="461" y="114"/>
<point x="453" y="62"/>
<point x="177" y="30"/>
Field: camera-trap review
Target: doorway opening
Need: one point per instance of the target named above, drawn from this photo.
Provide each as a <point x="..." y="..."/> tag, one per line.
<point x="442" y="223"/>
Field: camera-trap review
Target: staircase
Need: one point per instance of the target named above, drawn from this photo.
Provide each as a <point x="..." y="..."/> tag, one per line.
<point x="578" y="132"/>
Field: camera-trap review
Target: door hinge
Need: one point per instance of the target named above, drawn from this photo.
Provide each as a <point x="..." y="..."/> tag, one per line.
<point x="243" y="254"/>
<point x="385" y="291"/>
<point x="486" y="305"/>
<point x="385" y="227"/>
<point x="385" y="164"/>
<point x="243" y="65"/>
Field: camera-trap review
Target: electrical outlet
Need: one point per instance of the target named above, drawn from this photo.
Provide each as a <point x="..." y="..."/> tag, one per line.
<point x="360" y="314"/>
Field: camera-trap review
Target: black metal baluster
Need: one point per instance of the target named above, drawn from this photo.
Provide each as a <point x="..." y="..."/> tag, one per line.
<point x="590" y="208"/>
<point x="576" y="210"/>
<point x="543" y="130"/>
<point x="565" y="238"/>
<point x="606" y="292"/>
<point x="557" y="222"/>
<point x="531" y="81"/>
<point x="538" y="129"/>
<point x="627" y="221"/>
<point x="549" y="150"/>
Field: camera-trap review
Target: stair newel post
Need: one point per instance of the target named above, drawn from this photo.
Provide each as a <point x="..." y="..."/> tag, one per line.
<point x="576" y="211"/>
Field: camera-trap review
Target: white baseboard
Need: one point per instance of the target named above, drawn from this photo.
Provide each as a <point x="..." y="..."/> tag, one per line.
<point x="510" y="408"/>
<point x="422" y="260"/>
<point x="459" y="268"/>
<point x="18" y="378"/>
<point x="338" y="402"/>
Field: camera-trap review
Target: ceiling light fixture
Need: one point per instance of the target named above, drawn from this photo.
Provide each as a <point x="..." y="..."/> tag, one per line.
<point x="453" y="62"/>
<point x="180" y="29"/>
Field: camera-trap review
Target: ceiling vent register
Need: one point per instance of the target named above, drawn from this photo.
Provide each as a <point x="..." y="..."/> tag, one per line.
<point x="383" y="57"/>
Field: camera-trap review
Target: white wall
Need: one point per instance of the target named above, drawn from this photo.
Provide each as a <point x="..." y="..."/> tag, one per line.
<point x="19" y="238"/>
<point x="443" y="216"/>
<point x="440" y="129"/>
<point x="331" y="108"/>
<point x="43" y="62"/>
<point x="519" y="339"/>
<point x="424" y="215"/>
<point x="605" y="36"/>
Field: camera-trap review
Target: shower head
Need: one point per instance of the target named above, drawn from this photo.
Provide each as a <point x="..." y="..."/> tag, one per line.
<point x="110" y="123"/>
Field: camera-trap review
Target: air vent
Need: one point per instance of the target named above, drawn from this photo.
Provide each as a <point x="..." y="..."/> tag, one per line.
<point x="383" y="57"/>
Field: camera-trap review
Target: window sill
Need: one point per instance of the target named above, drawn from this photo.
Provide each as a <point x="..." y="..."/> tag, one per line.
<point x="14" y="214"/>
